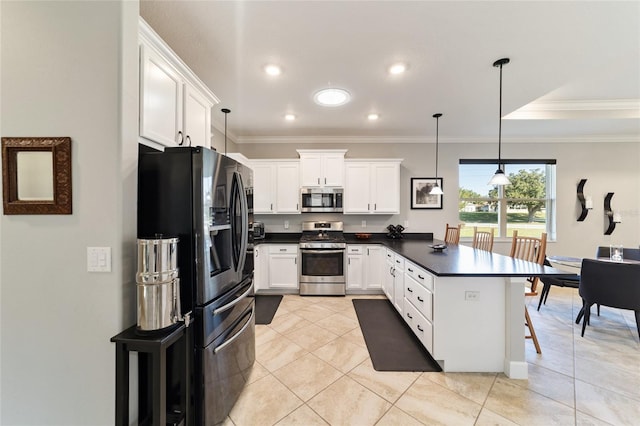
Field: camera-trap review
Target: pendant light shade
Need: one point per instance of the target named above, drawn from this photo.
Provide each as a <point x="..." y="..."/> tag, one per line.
<point x="436" y="190"/>
<point x="226" y="111"/>
<point x="499" y="178"/>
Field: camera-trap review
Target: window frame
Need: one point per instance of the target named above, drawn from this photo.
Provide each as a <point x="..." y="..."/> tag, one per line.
<point x="550" y="191"/>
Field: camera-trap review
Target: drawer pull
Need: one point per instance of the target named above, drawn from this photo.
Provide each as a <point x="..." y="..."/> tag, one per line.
<point x="409" y="290"/>
<point x="284" y="249"/>
<point x="409" y="315"/>
<point x="419" y="328"/>
<point x="421" y="277"/>
<point x="409" y="269"/>
<point x="397" y="261"/>
<point x="420" y="299"/>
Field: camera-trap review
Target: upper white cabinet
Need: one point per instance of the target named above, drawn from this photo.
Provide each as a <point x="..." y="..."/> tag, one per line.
<point x="322" y="168"/>
<point x="175" y="106"/>
<point x="372" y="187"/>
<point x="276" y="186"/>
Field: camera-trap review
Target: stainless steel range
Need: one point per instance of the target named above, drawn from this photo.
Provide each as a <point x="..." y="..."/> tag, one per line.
<point x="322" y="248"/>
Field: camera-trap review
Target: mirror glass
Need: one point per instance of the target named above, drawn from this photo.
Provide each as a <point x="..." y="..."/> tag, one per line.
<point x="35" y="175"/>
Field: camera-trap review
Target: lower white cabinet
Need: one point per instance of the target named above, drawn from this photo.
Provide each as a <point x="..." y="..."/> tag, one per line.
<point x="276" y="267"/>
<point x="393" y="285"/>
<point x="364" y="267"/>
<point x="411" y="291"/>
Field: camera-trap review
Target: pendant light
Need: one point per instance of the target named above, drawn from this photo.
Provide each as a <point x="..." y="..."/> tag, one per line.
<point x="226" y="111"/>
<point x="500" y="178"/>
<point x="436" y="190"/>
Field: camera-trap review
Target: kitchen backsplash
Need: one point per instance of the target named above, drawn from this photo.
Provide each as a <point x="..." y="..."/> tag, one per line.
<point x="352" y="223"/>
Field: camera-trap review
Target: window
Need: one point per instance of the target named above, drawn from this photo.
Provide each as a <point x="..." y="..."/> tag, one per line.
<point x="528" y="204"/>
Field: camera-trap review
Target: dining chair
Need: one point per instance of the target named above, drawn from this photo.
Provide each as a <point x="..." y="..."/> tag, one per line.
<point x="611" y="284"/>
<point x="482" y="240"/>
<point x="531" y="249"/>
<point x="452" y="234"/>
<point x="569" y="280"/>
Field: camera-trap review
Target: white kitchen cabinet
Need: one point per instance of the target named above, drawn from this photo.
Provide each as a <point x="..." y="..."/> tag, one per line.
<point x="398" y="283"/>
<point x="275" y="267"/>
<point x="260" y="267"/>
<point x="388" y="278"/>
<point x="372" y="187"/>
<point x="276" y="187"/>
<point x="364" y="268"/>
<point x="322" y="168"/>
<point x="175" y="106"/>
<point x="283" y="266"/>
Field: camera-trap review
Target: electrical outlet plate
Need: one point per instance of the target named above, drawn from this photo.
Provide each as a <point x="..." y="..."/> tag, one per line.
<point x="286" y="224"/>
<point x="364" y="223"/>
<point x="473" y="296"/>
<point x="98" y="259"/>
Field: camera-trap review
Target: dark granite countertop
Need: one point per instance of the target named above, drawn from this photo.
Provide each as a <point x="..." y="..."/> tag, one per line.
<point x="460" y="260"/>
<point x="455" y="260"/>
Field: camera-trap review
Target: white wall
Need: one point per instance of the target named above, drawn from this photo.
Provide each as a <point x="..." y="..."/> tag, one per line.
<point x="608" y="167"/>
<point x="69" y="69"/>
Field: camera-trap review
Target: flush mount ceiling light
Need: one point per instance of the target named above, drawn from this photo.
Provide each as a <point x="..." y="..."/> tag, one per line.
<point x="373" y="116"/>
<point x="272" y="69"/>
<point x="436" y="190"/>
<point x="500" y="178"/>
<point x="398" y="68"/>
<point x="331" y="97"/>
<point x="289" y="117"/>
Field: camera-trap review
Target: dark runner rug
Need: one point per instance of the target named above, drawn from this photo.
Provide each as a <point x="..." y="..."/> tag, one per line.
<point x="266" y="307"/>
<point x="391" y="343"/>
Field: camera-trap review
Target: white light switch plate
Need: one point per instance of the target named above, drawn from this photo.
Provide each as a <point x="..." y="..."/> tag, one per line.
<point x="98" y="259"/>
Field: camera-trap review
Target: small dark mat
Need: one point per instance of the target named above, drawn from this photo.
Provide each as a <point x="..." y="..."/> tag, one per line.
<point x="266" y="307"/>
<point x="391" y="343"/>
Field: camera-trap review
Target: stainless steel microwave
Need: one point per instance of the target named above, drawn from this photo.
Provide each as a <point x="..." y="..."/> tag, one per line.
<point x="321" y="200"/>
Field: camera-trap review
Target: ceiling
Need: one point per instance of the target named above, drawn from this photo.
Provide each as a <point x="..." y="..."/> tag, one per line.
<point x="574" y="73"/>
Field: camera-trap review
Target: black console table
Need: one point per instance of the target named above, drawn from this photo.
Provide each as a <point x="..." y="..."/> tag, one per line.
<point x="153" y="361"/>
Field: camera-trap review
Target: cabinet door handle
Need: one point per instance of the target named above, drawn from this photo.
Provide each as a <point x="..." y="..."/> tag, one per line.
<point x="297" y="208"/>
<point x="368" y="206"/>
<point x="271" y="207"/>
<point x="295" y="260"/>
<point x="325" y="181"/>
<point x="367" y="252"/>
<point x="419" y="328"/>
<point x="409" y="315"/>
<point x="409" y="290"/>
<point x="420" y="299"/>
<point x="318" y="181"/>
<point x="181" y="137"/>
<point x="349" y="261"/>
<point x="375" y="206"/>
<point x="189" y="139"/>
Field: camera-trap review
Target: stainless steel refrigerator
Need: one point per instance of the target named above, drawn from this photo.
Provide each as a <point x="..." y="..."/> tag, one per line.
<point x="205" y="199"/>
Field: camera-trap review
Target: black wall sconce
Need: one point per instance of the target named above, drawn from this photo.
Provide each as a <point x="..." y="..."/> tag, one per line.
<point x="613" y="218"/>
<point x="585" y="202"/>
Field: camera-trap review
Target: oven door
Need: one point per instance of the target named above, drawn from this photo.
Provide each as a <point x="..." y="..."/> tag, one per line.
<point x="322" y="266"/>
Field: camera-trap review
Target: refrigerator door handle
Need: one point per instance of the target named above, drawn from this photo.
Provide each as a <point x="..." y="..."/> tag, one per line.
<point x="235" y="301"/>
<point x="238" y="334"/>
<point x="241" y="195"/>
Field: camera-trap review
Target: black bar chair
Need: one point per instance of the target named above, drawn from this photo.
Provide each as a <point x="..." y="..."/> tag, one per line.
<point x="569" y="280"/>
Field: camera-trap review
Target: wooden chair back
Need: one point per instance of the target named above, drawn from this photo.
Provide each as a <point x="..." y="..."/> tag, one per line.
<point x="452" y="234"/>
<point x="531" y="249"/>
<point x="482" y="240"/>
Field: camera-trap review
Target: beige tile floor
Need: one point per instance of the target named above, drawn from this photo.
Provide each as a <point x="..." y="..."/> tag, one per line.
<point x="313" y="368"/>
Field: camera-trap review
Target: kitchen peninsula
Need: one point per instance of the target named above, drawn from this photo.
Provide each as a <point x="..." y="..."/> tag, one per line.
<point x="465" y="305"/>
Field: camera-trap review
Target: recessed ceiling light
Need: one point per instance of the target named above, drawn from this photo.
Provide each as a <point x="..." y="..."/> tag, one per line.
<point x="373" y="116"/>
<point x="398" y="68"/>
<point x="331" y="97"/>
<point x="272" y="69"/>
<point x="289" y="117"/>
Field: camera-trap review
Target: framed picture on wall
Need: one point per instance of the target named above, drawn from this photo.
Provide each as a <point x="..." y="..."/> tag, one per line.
<point x="420" y="197"/>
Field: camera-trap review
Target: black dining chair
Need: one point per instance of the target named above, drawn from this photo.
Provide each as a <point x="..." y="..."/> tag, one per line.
<point x="610" y="284"/>
<point x="569" y="280"/>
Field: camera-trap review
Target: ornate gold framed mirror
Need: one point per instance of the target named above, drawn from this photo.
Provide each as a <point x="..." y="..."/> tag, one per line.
<point x="36" y="175"/>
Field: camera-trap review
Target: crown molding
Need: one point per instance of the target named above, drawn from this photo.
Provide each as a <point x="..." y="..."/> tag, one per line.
<point x="592" y="109"/>
<point x="422" y="140"/>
